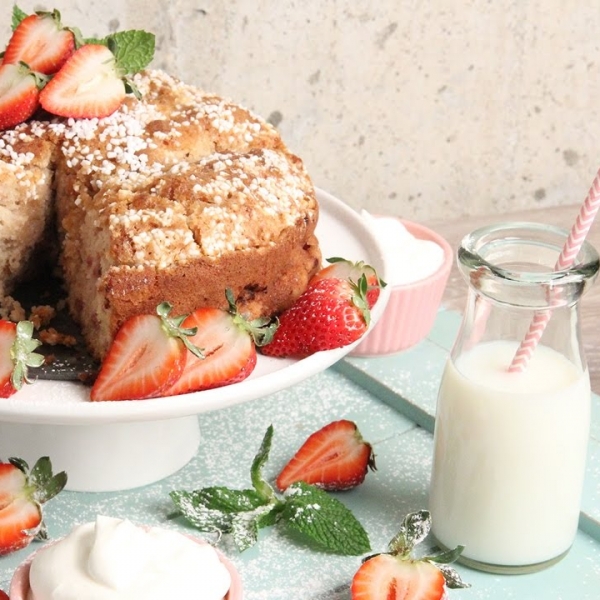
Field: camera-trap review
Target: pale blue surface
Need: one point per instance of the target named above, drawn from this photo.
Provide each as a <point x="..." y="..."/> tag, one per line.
<point x="377" y="394"/>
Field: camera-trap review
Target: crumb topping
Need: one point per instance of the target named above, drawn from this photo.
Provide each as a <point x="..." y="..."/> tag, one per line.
<point x="178" y="175"/>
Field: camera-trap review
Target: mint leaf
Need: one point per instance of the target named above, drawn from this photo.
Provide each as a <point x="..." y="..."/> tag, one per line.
<point x="245" y="525"/>
<point x="202" y="517"/>
<point x="244" y="529"/>
<point x="227" y="500"/>
<point x="133" y="49"/>
<point x="324" y="520"/>
<point x="17" y="16"/>
<point x="258" y="481"/>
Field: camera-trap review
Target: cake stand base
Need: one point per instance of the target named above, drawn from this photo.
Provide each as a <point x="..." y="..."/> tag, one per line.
<point x="106" y="457"/>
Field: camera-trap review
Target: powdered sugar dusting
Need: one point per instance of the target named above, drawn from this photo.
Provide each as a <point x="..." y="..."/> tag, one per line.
<point x="278" y="567"/>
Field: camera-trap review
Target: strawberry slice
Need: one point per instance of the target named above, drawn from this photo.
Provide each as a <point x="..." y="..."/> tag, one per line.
<point x="396" y="575"/>
<point x="384" y="577"/>
<point x="228" y="342"/>
<point x="19" y="94"/>
<point x="90" y="84"/>
<point x="331" y="313"/>
<point x="342" y="268"/>
<point x="333" y="458"/>
<point x="22" y="494"/>
<point x="41" y="42"/>
<point x="145" y="358"/>
<point x="16" y="356"/>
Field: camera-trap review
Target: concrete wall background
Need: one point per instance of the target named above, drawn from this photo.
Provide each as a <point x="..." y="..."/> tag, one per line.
<point x="424" y="109"/>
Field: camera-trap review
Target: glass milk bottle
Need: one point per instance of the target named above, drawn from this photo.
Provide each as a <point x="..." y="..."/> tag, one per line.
<point x="510" y="447"/>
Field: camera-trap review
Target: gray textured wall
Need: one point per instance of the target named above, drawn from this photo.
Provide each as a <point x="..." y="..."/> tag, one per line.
<point x="421" y="109"/>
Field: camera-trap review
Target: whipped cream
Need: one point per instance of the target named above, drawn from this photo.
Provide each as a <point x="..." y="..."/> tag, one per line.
<point x="407" y="258"/>
<point x="113" y="559"/>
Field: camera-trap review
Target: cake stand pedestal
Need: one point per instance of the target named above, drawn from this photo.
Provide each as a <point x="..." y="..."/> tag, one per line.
<point x="109" y="456"/>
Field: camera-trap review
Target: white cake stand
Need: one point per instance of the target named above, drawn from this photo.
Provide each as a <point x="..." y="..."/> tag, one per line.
<point x="109" y="446"/>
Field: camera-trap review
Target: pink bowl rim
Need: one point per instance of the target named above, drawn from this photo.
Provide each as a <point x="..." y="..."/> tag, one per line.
<point x="22" y="571"/>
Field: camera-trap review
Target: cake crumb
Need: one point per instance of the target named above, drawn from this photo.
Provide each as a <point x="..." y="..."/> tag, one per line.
<point x="11" y="309"/>
<point x="54" y="338"/>
<point x="42" y="315"/>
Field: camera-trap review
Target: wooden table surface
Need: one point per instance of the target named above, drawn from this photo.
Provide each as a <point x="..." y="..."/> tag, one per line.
<point x="564" y="216"/>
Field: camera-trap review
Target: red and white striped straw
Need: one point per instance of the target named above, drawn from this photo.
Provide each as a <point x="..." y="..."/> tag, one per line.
<point x="577" y="236"/>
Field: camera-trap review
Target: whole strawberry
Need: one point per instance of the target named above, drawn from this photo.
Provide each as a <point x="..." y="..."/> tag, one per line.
<point x="22" y="494"/>
<point x="397" y="575"/>
<point x="331" y="313"/>
<point x="334" y="458"/>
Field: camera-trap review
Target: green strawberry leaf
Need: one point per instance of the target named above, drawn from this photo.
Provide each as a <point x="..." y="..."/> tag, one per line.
<point x="20" y="463"/>
<point x="133" y="49"/>
<point x="260" y="484"/>
<point x="453" y="579"/>
<point x="46" y="484"/>
<point x="22" y="354"/>
<point x="17" y="16"/>
<point x="414" y="529"/>
<point x="42" y="532"/>
<point x="324" y="520"/>
<point x="445" y="557"/>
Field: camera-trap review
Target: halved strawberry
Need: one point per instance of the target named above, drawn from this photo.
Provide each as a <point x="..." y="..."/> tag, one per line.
<point x="145" y="358"/>
<point x="331" y="313"/>
<point x="342" y="268"/>
<point x="385" y="577"/>
<point x="334" y="458"/>
<point x="16" y="356"/>
<point x="228" y="343"/>
<point x="22" y="494"/>
<point x="19" y="94"/>
<point x="41" y="42"/>
<point x="397" y="575"/>
<point x="90" y="84"/>
<point x="4" y="595"/>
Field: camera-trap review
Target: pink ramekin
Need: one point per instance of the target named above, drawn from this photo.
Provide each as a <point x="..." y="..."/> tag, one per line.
<point x="19" y="585"/>
<point x="412" y="308"/>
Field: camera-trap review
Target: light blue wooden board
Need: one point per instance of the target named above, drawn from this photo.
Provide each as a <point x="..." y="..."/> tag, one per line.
<point x="387" y="397"/>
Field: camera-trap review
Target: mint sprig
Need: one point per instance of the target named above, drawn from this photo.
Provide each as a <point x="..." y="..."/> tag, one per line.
<point x="303" y="509"/>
